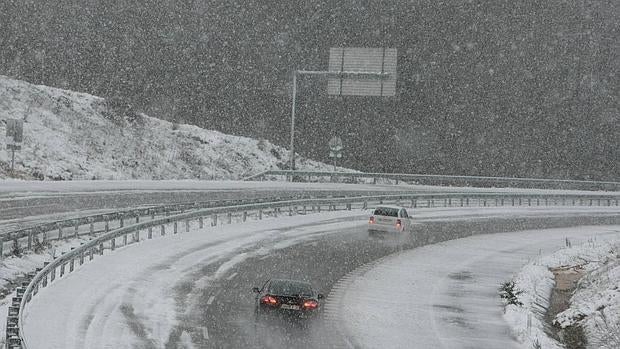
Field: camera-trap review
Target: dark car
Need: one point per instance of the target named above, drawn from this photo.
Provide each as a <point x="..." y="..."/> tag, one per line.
<point x="287" y="297"/>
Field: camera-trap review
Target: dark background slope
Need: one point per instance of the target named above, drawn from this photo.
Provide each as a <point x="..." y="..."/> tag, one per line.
<point x="515" y="88"/>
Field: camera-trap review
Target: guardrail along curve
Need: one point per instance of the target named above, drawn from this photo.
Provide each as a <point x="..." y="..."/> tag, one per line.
<point x="450" y="180"/>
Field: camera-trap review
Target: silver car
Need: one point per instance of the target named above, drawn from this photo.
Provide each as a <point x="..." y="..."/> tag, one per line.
<point x="389" y="219"/>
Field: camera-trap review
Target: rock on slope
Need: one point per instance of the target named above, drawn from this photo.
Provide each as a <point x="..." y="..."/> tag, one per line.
<point x="70" y="135"/>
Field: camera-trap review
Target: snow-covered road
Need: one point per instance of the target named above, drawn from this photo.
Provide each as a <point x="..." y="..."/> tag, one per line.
<point x="138" y="296"/>
<point x="444" y="295"/>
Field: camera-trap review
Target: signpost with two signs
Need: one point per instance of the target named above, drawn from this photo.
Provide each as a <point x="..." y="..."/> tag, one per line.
<point x="14" y="137"/>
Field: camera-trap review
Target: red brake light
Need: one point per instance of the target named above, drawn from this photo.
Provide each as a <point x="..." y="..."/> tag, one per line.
<point x="269" y="300"/>
<point x="310" y="304"/>
<point x="371" y="220"/>
<point x="398" y="223"/>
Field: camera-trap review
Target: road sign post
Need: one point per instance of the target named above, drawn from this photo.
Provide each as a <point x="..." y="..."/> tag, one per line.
<point x="14" y="137"/>
<point x="335" y="149"/>
<point x="352" y="71"/>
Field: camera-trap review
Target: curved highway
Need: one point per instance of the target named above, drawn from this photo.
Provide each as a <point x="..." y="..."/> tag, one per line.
<point x="212" y="299"/>
<point x="25" y="204"/>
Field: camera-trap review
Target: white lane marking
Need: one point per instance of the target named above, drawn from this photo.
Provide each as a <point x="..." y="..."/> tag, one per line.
<point x="211" y="299"/>
<point x="205" y="333"/>
<point x="232" y="276"/>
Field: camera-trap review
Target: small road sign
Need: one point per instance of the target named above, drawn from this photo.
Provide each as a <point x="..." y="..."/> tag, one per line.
<point x="335" y="144"/>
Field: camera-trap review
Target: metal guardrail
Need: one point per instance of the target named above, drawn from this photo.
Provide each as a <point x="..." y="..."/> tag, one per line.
<point x="121" y="216"/>
<point x="46" y="275"/>
<point x="473" y="181"/>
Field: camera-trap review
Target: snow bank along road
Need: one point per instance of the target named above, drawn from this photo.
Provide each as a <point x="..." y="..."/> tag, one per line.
<point x="194" y="289"/>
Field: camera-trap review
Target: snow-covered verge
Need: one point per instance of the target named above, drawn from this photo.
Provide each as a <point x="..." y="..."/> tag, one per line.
<point x="71" y="135"/>
<point x="594" y="305"/>
<point x="596" y="302"/>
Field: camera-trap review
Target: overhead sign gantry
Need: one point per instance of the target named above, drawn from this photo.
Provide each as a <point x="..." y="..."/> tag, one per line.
<point x="354" y="71"/>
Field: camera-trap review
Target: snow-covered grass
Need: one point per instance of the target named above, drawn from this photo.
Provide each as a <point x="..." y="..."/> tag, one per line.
<point x="71" y="135"/>
<point x="595" y="304"/>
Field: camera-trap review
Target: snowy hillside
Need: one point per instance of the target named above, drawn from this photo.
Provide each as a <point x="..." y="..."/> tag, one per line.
<point x="70" y="135"/>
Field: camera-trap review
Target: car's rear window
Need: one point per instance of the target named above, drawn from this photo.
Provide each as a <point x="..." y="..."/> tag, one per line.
<point x="386" y="211"/>
<point x="283" y="287"/>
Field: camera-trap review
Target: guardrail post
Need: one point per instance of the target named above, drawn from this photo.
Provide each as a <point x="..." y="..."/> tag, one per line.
<point x="30" y="240"/>
<point x="152" y="214"/>
<point x="348" y="206"/>
<point x="187" y="226"/>
<point x="529" y="201"/>
<point x="496" y="202"/>
<point x="175" y="227"/>
<point x="466" y="202"/>
<point x="107" y="224"/>
<point x="150" y="233"/>
<point x="1" y="248"/>
<point x="76" y="229"/>
<point x="137" y="236"/>
<point x="305" y="209"/>
<point x="91" y="254"/>
<point x="318" y="208"/>
<point x="290" y="211"/>
<point x="122" y="222"/>
<point x="101" y="247"/>
<point x="590" y="202"/>
<point x="71" y="265"/>
<point x="113" y="244"/>
<point x="201" y="222"/>
<point x="502" y="201"/>
<point x="92" y="228"/>
<point x="124" y="240"/>
<point x="260" y="214"/>
<point x="62" y="269"/>
<point x="60" y="233"/>
<point x="81" y="258"/>
<point x="537" y="202"/>
<point x="546" y="201"/>
<point x="484" y="202"/>
<point x="229" y="217"/>
<point x="445" y="202"/>
<point x="599" y="201"/>
<point x="214" y="220"/>
<point x="52" y="275"/>
<point x="163" y="230"/>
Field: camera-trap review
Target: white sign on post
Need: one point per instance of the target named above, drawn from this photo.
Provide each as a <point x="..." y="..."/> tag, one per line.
<point x="14" y="131"/>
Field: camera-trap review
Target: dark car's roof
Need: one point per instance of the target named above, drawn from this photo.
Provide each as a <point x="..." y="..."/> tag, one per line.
<point x="289" y="287"/>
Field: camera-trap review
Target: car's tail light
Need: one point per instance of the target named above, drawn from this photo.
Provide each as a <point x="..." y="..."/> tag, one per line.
<point x="269" y="300"/>
<point x="310" y="304"/>
<point x="371" y="220"/>
<point x="398" y="224"/>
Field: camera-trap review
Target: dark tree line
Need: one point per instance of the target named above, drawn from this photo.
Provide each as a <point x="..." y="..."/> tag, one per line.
<point x="493" y="87"/>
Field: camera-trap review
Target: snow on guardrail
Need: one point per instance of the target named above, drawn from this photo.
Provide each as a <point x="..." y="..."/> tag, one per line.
<point x="451" y="180"/>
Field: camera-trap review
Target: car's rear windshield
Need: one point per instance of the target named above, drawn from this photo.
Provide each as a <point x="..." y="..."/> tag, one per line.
<point x="284" y="287"/>
<point x="386" y="211"/>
